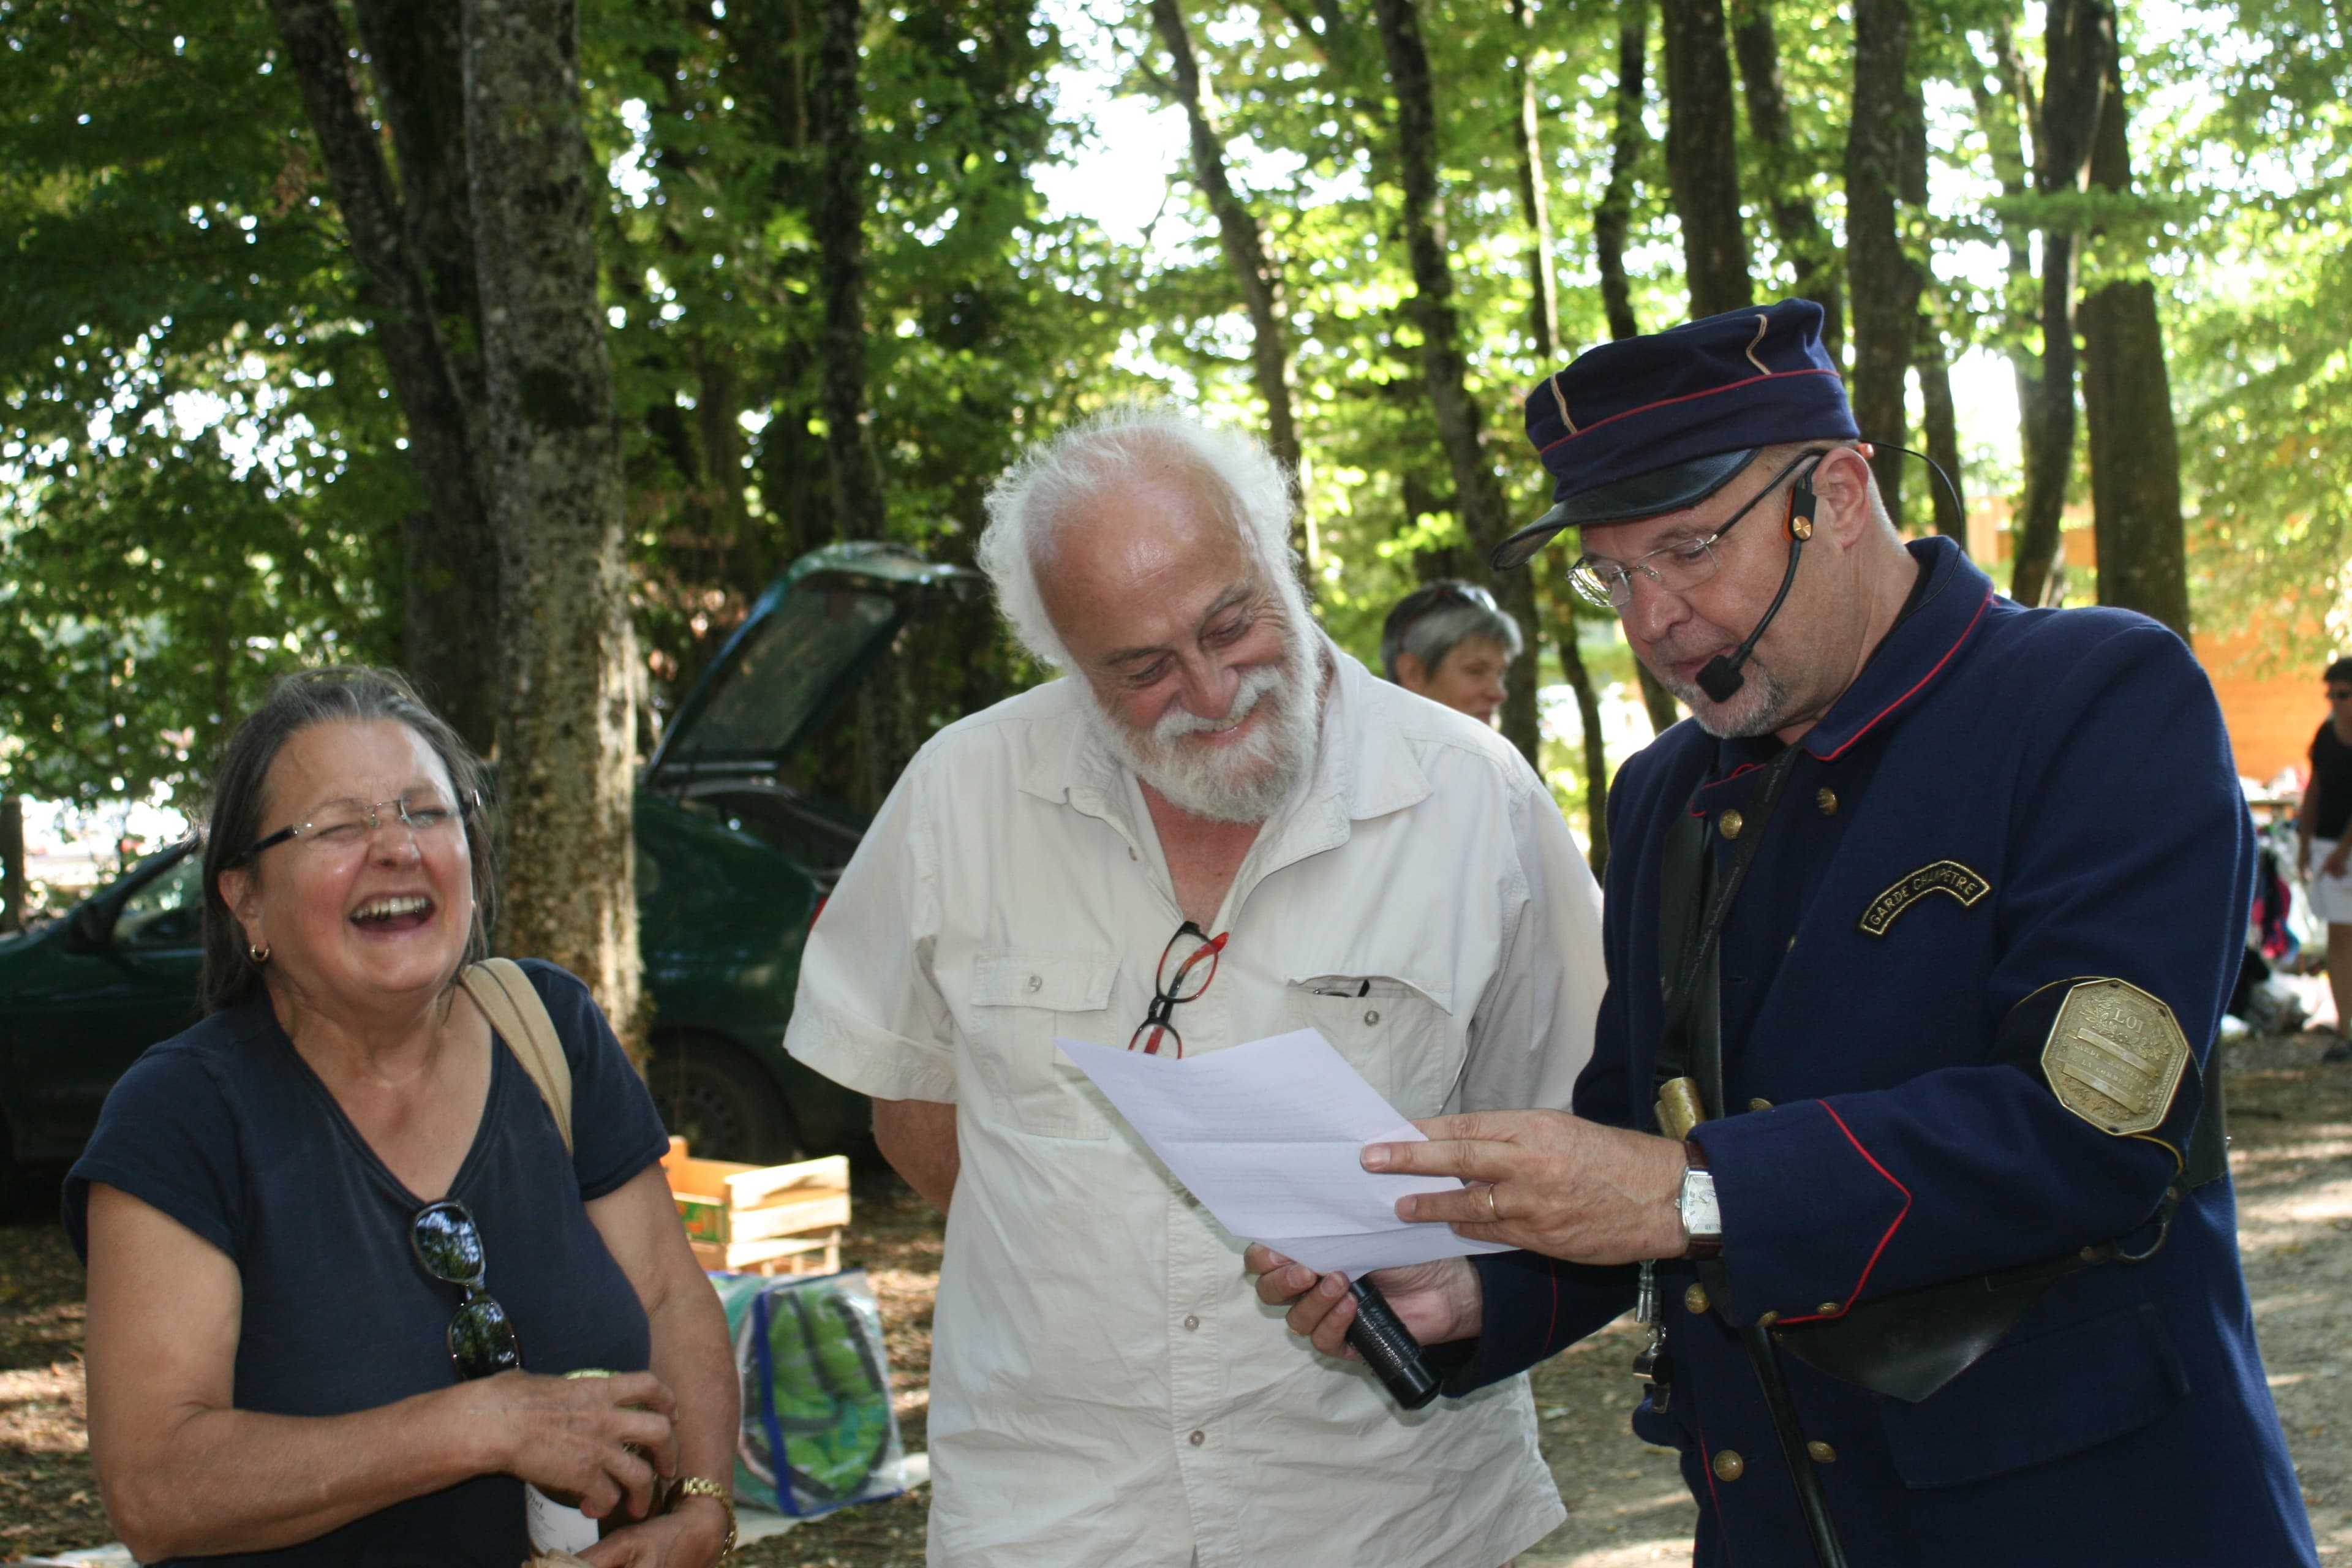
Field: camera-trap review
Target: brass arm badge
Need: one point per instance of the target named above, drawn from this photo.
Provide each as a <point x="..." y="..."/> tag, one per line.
<point x="1942" y="877"/>
<point x="2115" y="1057"/>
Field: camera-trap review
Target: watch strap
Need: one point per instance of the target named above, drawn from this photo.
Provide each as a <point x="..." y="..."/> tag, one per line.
<point x="703" y="1486"/>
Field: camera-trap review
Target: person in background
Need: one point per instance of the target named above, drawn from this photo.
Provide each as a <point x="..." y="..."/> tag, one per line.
<point x="1450" y="643"/>
<point x="340" y="1256"/>
<point x="2324" y="847"/>
<point x="1216" y="826"/>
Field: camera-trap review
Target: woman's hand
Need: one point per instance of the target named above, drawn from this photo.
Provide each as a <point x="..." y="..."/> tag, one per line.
<point x="688" y="1536"/>
<point x="573" y="1437"/>
<point x="1436" y="1302"/>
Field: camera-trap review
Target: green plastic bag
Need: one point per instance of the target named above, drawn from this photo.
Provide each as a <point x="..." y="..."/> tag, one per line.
<point x="816" y="1391"/>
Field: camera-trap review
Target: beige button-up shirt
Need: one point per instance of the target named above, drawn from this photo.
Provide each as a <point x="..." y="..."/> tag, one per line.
<point x="1105" y="1387"/>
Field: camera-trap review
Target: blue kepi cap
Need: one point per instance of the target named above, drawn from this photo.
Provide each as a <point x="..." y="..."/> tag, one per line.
<point x="1651" y="424"/>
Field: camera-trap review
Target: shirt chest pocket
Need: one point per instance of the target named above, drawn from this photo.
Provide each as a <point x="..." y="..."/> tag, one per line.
<point x="1019" y="1002"/>
<point x="1391" y="1031"/>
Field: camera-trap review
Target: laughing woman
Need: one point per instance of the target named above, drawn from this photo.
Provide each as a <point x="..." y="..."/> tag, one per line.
<point x="338" y="1255"/>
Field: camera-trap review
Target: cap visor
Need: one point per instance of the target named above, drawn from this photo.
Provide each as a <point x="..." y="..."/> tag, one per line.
<point x="1659" y="491"/>
<point x="1521" y="547"/>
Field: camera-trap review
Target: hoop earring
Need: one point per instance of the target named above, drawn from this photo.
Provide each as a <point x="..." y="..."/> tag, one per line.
<point x="259" y="954"/>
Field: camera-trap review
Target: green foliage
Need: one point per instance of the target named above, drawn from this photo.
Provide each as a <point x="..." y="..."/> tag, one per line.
<point x="202" y="470"/>
<point x="198" y="479"/>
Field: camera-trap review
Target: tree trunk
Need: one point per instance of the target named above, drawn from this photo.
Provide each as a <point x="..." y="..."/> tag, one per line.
<point x="1703" y="157"/>
<point x="1885" y="283"/>
<point x="1657" y="700"/>
<point x="566" y="772"/>
<point x="1587" y="711"/>
<point x="1543" y="290"/>
<point x="11" y="862"/>
<point x="1478" y="497"/>
<point x="2005" y="110"/>
<point x="2077" y="42"/>
<point x="1943" y="431"/>
<point x="1794" y="221"/>
<point x="1612" y="219"/>
<point x="452" y="594"/>
<point x="841" y="271"/>
<point x="1243" y="239"/>
<point x="2128" y="406"/>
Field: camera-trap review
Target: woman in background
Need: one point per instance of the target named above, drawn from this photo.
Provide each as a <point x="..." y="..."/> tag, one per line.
<point x="1450" y="643"/>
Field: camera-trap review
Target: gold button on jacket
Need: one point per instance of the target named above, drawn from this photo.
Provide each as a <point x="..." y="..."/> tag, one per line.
<point x="1728" y="1464"/>
<point x="1731" y="822"/>
<point x="1694" y="1298"/>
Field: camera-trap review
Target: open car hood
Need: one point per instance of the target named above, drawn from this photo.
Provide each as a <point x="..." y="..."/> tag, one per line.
<point x="801" y="651"/>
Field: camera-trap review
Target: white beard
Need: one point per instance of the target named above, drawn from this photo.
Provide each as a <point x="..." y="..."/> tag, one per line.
<point x="1239" y="782"/>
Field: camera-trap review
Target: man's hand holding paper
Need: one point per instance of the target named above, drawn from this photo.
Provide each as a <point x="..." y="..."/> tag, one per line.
<point x="1270" y="1136"/>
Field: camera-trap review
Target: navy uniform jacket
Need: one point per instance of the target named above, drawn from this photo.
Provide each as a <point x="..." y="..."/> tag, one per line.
<point x="1884" y="1134"/>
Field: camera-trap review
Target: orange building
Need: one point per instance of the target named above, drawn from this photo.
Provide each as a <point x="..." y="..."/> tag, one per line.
<point x="2270" y="715"/>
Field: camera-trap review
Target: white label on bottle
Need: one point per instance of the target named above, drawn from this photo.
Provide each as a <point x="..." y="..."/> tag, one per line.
<point x="553" y="1527"/>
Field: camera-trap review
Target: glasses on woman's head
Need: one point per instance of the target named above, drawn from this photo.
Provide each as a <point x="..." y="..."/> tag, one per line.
<point x="1436" y="596"/>
<point x="344" y="826"/>
<point x="481" y="1337"/>
<point x="1676" y="568"/>
<point x="1187" y="964"/>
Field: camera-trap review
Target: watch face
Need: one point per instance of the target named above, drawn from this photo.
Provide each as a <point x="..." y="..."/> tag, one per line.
<point x="1702" y="1221"/>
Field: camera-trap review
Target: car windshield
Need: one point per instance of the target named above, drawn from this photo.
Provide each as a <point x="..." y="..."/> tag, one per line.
<point x="164" y="912"/>
<point x="791" y="664"/>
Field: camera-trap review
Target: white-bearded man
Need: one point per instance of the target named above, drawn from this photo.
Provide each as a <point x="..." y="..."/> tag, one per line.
<point x="1217" y="826"/>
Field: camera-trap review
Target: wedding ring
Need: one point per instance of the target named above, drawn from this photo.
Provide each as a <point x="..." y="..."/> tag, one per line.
<point x="1495" y="1215"/>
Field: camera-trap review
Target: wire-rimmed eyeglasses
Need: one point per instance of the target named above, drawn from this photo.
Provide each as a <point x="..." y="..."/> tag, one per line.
<point x="344" y="825"/>
<point x="1676" y="567"/>
<point x="1187" y="964"/>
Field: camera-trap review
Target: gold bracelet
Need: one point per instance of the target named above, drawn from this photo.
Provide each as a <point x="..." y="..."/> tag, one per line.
<point x="703" y="1486"/>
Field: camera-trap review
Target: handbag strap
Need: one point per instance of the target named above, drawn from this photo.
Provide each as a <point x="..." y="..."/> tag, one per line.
<point x="507" y="998"/>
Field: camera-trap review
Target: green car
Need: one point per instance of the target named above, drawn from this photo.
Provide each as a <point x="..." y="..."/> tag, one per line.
<point x="744" y="821"/>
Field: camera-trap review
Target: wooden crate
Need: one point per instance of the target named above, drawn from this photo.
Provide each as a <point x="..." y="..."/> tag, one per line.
<point x="761" y="1218"/>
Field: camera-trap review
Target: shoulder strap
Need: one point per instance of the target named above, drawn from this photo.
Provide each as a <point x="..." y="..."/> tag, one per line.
<point x="504" y="993"/>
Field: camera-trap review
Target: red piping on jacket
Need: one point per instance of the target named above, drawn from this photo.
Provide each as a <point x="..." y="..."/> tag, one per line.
<point x="1670" y="402"/>
<point x="1706" y="1467"/>
<point x="1855" y="1294"/>
<point x="1742" y="768"/>
<point x="1883" y="712"/>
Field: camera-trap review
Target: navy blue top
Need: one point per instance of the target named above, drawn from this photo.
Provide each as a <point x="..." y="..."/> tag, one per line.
<point x="226" y="1129"/>
<point x="2005" y="799"/>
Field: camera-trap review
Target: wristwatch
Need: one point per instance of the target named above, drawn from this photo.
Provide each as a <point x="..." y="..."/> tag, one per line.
<point x="703" y="1486"/>
<point x="1696" y="1206"/>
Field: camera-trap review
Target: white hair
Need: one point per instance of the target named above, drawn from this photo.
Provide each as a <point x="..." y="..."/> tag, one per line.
<point x="1111" y="452"/>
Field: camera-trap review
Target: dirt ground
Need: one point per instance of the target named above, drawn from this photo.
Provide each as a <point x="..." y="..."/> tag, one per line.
<point x="2291" y="1124"/>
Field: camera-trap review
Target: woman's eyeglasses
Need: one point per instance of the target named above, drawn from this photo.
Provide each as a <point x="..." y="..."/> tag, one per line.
<point x="342" y="826"/>
<point x="1186" y="966"/>
<point x="482" y="1338"/>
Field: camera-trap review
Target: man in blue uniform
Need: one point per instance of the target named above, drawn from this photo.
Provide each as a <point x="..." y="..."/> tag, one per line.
<point x="1919" y="935"/>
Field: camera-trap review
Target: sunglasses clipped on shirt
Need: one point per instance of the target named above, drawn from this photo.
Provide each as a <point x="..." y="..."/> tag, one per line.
<point x="481" y="1337"/>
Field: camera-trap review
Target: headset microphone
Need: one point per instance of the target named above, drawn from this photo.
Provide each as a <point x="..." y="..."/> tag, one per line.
<point x="1719" y="678"/>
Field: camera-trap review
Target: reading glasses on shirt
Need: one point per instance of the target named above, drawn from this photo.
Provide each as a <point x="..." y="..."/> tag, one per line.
<point x="1187" y="964"/>
<point x="1676" y="567"/>
<point x="342" y="826"/>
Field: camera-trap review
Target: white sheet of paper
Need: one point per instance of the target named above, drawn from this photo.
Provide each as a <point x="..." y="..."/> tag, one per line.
<point x="1269" y="1136"/>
